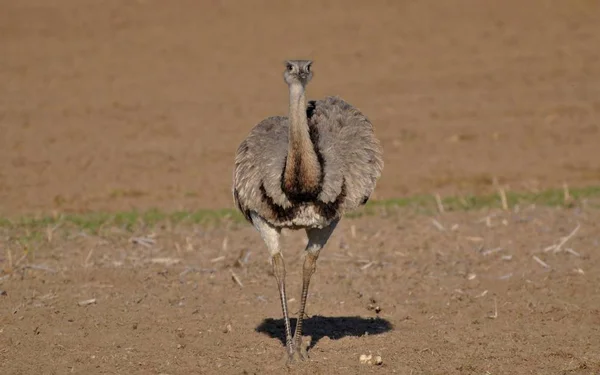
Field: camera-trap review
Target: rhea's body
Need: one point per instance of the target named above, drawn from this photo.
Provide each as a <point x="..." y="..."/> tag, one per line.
<point x="348" y="165"/>
<point x="304" y="171"/>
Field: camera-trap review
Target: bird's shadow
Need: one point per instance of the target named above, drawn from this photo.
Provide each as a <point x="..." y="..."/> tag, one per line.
<point x="333" y="327"/>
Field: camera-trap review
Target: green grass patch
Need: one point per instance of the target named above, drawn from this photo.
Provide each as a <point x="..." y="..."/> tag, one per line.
<point x="549" y="198"/>
<point x="129" y="220"/>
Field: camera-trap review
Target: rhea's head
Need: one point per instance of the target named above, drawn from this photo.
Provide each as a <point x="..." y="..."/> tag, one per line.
<point x="297" y="71"/>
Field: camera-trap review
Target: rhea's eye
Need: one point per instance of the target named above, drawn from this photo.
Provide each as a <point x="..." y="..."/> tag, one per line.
<point x="307" y="69"/>
<point x="289" y="67"/>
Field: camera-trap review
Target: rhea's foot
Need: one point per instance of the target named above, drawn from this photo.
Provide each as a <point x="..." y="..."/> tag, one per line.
<point x="293" y="357"/>
<point x="299" y="352"/>
<point x="297" y="355"/>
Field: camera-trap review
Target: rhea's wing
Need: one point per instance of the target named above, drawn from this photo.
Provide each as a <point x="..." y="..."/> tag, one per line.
<point x="259" y="162"/>
<point x="351" y="154"/>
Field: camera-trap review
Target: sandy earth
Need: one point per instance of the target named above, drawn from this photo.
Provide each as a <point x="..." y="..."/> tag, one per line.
<point x="117" y="105"/>
<point x="106" y="105"/>
<point x="470" y="299"/>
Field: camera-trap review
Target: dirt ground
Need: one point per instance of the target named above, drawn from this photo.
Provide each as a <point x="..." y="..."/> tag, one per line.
<point x="118" y="105"/>
<point x="469" y="299"/>
<point x="111" y="105"/>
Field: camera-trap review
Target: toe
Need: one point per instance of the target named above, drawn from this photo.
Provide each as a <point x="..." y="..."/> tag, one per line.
<point x="297" y="355"/>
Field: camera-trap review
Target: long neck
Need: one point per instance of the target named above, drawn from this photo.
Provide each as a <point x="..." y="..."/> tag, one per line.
<point x="302" y="170"/>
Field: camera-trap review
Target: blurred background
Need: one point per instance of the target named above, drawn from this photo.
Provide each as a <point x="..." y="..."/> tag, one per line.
<point x="112" y="105"/>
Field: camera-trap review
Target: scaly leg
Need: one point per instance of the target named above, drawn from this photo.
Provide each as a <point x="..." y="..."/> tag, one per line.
<point x="270" y="236"/>
<point x="317" y="238"/>
<point x="279" y="271"/>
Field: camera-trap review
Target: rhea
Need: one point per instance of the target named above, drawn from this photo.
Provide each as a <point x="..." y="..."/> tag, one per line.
<point x="304" y="171"/>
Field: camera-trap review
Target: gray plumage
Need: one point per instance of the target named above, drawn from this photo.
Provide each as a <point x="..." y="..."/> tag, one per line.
<point x="350" y="153"/>
<point x="305" y="171"/>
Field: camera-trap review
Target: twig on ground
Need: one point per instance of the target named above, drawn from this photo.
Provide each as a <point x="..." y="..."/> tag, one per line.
<point x="482" y="294"/>
<point x="242" y="258"/>
<point x="487" y="220"/>
<point x="362" y="268"/>
<point x="491" y="251"/>
<point x="571" y="251"/>
<point x="50" y="232"/>
<point x="503" y="198"/>
<point x="188" y="244"/>
<point x="563" y="240"/>
<point x="87" y="302"/>
<point x="144" y="241"/>
<point x="440" y="205"/>
<point x="495" y="315"/>
<point x="165" y="261"/>
<point x="218" y="259"/>
<point x="20" y="260"/>
<point x="236" y="278"/>
<point x="541" y="262"/>
<point x="40" y="267"/>
<point x="225" y="243"/>
<point x="438" y="225"/>
<point x="566" y="195"/>
<point x="86" y="263"/>
<point x="246" y="256"/>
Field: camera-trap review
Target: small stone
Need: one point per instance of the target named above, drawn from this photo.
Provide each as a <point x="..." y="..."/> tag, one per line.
<point x="370" y="360"/>
<point x="373" y="307"/>
<point x="365" y="359"/>
<point x="227" y="328"/>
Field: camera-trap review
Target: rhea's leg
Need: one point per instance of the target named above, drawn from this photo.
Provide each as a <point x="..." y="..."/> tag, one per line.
<point x="279" y="271"/>
<point x="317" y="238"/>
<point x="270" y="236"/>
